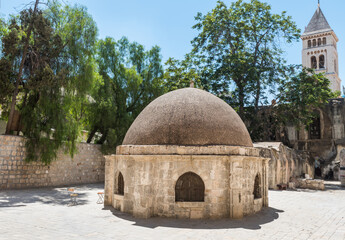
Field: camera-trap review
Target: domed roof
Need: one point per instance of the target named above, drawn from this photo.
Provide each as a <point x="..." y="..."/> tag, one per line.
<point x="190" y="117"/>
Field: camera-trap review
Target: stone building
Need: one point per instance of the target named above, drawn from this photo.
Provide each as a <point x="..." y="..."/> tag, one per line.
<point x="187" y="155"/>
<point x="325" y="138"/>
<point x="320" y="48"/>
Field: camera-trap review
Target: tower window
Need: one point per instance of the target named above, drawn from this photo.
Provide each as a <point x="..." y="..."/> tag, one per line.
<point x="313" y="62"/>
<point x="324" y="41"/>
<point x="314" y="42"/>
<point x="322" y="61"/>
<point x="189" y="188"/>
<point x="319" y="41"/>
<point x="335" y="66"/>
<point x="309" y="43"/>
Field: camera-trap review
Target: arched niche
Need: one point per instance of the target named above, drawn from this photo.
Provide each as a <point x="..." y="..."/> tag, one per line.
<point x="189" y="188"/>
<point x="119" y="184"/>
<point x="257" y="187"/>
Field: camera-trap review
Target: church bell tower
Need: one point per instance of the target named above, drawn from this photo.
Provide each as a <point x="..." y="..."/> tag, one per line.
<point x="320" y="49"/>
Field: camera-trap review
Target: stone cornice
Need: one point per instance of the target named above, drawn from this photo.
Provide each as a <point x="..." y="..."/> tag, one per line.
<point x="319" y="34"/>
<point x="186" y="150"/>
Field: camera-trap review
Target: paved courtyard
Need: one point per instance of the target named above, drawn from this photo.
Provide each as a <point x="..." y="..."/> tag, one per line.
<point x="46" y="214"/>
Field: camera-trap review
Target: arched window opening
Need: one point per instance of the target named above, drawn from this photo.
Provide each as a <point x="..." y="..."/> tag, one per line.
<point x="319" y="41"/>
<point x="322" y="61"/>
<point x="309" y="43"/>
<point x="189" y="188"/>
<point x="314" y="42"/>
<point x="324" y="41"/>
<point x="120" y="184"/>
<point x="313" y="62"/>
<point x="315" y="129"/>
<point x="257" y="187"/>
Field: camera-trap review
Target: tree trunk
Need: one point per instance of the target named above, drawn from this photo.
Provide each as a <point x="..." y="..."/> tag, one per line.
<point x="92" y="134"/>
<point x="104" y="137"/>
<point x="241" y="101"/>
<point x="257" y="95"/>
<point x="20" y="73"/>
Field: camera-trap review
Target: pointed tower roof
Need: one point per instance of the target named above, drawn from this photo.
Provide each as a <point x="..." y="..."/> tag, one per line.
<point x="317" y="23"/>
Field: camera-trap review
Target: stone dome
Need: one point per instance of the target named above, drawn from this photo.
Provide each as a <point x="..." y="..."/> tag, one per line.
<point x="190" y="117"/>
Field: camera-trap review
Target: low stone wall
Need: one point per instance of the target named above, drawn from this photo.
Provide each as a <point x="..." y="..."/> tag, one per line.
<point x="313" y="184"/>
<point x="285" y="163"/>
<point x="87" y="166"/>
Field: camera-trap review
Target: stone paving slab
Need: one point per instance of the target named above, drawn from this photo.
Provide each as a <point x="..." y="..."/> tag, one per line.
<point x="45" y="214"/>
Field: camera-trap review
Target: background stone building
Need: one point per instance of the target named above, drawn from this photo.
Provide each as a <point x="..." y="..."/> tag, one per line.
<point x="325" y="138"/>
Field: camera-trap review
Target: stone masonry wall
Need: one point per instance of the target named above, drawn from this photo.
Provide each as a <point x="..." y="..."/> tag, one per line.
<point x="87" y="166"/>
<point x="284" y="163"/>
<point x="228" y="179"/>
<point x="151" y="191"/>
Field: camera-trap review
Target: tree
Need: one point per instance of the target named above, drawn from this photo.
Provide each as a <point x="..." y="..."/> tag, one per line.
<point x="180" y="74"/>
<point x="300" y="97"/>
<point x="78" y="32"/>
<point x="131" y="78"/>
<point x="48" y="58"/>
<point x="27" y="27"/>
<point x="238" y="50"/>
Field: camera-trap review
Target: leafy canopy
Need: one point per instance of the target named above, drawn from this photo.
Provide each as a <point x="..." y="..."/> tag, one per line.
<point x="300" y="97"/>
<point x="50" y="88"/>
<point x="180" y="74"/>
<point x="238" y="50"/>
<point x="131" y="78"/>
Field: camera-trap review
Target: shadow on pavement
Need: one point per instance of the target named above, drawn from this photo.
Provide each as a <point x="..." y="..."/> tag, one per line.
<point x="333" y="187"/>
<point x="53" y="196"/>
<point x="251" y="222"/>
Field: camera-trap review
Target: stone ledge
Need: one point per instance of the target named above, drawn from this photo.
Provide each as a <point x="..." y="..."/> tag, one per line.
<point x="118" y="196"/>
<point x="186" y="150"/>
<point x="190" y="204"/>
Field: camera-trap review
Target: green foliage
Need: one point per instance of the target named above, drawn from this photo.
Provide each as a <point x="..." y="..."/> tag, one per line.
<point x="3" y="30"/>
<point x="78" y="32"/>
<point x="11" y="43"/>
<point x="58" y="73"/>
<point x="180" y="74"/>
<point x="40" y="93"/>
<point x="239" y="53"/>
<point x="131" y="78"/>
<point x="300" y="97"/>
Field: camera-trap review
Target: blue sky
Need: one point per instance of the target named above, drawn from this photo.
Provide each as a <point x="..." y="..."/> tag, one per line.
<point x="168" y="24"/>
